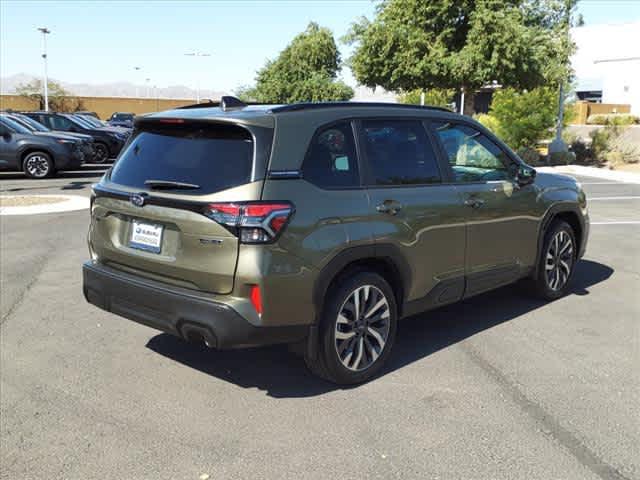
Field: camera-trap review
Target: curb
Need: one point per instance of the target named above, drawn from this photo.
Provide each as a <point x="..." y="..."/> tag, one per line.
<point x="71" y="203"/>
<point x="626" y="177"/>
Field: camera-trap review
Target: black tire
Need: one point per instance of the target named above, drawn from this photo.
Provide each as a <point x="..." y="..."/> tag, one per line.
<point x="551" y="268"/>
<point x="362" y="346"/>
<point x="38" y="165"/>
<point x="101" y="153"/>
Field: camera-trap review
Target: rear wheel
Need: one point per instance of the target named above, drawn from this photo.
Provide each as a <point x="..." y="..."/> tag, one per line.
<point x="557" y="261"/>
<point x="357" y="329"/>
<point x="37" y="165"/>
<point x="101" y="153"/>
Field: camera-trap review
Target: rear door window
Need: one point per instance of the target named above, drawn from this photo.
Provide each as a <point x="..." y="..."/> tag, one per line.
<point x="331" y="161"/>
<point x="211" y="157"/>
<point x="399" y="153"/>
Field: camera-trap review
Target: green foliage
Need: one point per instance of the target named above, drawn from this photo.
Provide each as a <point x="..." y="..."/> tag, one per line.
<point x="60" y="100"/>
<point x="562" y="158"/>
<point x="619" y="119"/>
<point x="306" y="70"/>
<point x="530" y="156"/>
<point x="435" y="97"/>
<point x="521" y="119"/>
<point x="418" y="44"/>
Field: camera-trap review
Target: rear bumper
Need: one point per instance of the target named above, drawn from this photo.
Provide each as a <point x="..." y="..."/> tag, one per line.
<point x="181" y="312"/>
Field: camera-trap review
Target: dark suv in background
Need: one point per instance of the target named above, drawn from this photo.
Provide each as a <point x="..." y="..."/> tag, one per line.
<point x="108" y="141"/>
<point x="121" y="119"/>
<point x="36" y="128"/>
<point x="37" y="155"/>
<point x="321" y="225"/>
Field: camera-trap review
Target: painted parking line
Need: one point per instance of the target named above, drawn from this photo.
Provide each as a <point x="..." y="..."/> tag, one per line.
<point x="634" y="197"/>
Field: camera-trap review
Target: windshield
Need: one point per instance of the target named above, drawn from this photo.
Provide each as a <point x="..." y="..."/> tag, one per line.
<point x="91" y="120"/>
<point x="30" y="123"/>
<point x="79" y="121"/>
<point x="13" y="125"/>
<point x="213" y="157"/>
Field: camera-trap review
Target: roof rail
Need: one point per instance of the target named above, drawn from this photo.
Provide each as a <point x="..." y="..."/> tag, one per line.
<point x="293" y="107"/>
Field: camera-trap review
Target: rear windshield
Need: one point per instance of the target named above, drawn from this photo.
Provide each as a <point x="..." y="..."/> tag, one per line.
<point x="211" y="157"/>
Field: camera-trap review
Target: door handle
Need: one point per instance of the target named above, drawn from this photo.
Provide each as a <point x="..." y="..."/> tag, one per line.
<point x="474" y="202"/>
<point x="389" y="206"/>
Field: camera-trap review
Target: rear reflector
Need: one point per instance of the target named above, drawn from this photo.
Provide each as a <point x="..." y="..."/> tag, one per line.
<point x="252" y="222"/>
<point x="256" y="298"/>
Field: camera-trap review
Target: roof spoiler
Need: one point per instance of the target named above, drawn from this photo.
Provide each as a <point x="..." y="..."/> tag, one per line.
<point x="226" y="103"/>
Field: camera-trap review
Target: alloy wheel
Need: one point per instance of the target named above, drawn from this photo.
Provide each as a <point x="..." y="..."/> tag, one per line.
<point x="38" y="166"/>
<point x="362" y="328"/>
<point x="101" y="153"/>
<point x="559" y="260"/>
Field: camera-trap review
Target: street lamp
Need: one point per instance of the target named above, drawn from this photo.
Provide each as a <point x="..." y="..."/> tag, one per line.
<point x="137" y="69"/>
<point x="147" y="80"/>
<point x="45" y="31"/>
<point x="197" y="54"/>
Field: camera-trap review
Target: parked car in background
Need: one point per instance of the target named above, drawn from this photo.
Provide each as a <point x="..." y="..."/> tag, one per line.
<point x="108" y="141"/>
<point x="92" y="114"/>
<point x="121" y="119"/>
<point x="37" y="155"/>
<point x="86" y="141"/>
<point x="321" y="225"/>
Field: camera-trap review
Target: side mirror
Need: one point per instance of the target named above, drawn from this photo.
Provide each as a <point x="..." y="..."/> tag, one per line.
<point x="525" y="175"/>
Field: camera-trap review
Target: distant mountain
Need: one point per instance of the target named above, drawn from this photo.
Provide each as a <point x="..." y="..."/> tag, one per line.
<point x="116" y="89"/>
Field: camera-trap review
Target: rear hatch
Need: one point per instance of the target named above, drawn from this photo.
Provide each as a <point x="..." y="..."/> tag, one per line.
<point x="151" y="213"/>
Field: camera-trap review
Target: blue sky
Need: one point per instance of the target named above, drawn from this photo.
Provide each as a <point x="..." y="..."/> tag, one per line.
<point x="99" y="42"/>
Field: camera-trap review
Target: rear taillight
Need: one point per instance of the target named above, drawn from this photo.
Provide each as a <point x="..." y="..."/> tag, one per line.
<point x="252" y="222"/>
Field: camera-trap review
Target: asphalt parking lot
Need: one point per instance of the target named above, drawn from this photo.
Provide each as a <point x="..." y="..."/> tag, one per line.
<point x="498" y="387"/>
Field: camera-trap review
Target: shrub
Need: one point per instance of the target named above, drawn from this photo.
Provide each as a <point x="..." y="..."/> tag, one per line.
<point x="581" y="150"/>
<point x="530" y="156"/>
<point x="435" y="97"/>
<point x="524" y="118"/>
<point x="562" y="158"/>
<point x="609" y="144"/>
<point x="618" y="119"/>
<point x="490" y="122"/>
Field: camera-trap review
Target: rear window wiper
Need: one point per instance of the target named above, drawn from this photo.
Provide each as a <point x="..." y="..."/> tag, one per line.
<point x="168" y="184"/>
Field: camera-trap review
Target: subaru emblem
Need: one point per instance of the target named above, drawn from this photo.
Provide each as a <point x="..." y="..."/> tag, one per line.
<point x="137" y="199"/>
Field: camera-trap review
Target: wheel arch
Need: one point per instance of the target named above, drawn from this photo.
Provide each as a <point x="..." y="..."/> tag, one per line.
<point x="383" y="259"/>
<point x="568" y="213"/>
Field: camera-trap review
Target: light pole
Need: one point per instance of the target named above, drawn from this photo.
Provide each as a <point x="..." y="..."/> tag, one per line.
<point x="147" y="80"/>
<point x="196" y="55"/>
<point x="45" y="31"/>
<point x="137" y="69"/>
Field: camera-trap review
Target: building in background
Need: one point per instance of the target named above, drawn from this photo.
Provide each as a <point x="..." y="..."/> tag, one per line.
<point x="607" y="63"/>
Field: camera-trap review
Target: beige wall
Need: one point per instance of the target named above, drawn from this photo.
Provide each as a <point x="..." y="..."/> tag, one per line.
<point x="103" y="106"/>
<point x="585" y="109"/>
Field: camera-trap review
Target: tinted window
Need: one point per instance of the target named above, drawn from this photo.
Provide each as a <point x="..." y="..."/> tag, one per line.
<point x="32" y="123"/>
<point x="13" y="125"/>
<point x="399" y="153"/>
<point x="56" y="122"/>
<point x="213" y="157"/>
<point x="472" y="156"/>
<point x="331" y="161"/>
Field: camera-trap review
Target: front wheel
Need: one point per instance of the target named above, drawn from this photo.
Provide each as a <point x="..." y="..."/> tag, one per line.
<point x="357" y="329"/>
<point x="101" y="154"/>
<point x="37" y="165"/>
<point x="557" y="261"/>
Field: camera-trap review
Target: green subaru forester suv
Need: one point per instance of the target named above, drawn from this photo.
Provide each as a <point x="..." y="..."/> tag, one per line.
<point x="320" y="225"/>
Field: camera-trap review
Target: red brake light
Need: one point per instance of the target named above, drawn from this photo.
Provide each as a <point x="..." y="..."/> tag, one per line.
<point x="171" y="120"/>
<point x="253" y="222"/>
<point x="256" y="298"/>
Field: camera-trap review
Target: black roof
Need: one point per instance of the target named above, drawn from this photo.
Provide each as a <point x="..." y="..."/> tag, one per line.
<point x="233" y="103"/>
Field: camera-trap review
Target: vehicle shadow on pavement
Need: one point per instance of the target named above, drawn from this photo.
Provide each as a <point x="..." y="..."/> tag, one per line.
<point x="283" y="375"/>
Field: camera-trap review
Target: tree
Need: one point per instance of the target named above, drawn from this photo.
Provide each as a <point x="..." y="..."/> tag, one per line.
<point x="60" y="100"/>
<point x="461" y="44"/>
<point x="306" y="70"/>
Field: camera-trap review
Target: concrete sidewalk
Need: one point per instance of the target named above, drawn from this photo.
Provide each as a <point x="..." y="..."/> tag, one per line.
<point x="614" y="175"/>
